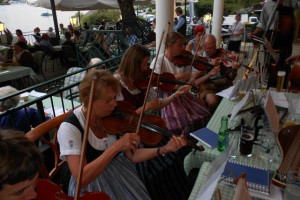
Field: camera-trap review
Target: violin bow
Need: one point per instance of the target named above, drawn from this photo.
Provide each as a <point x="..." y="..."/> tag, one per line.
<point x="162" y="62"/>
<point x="148" y="88"/>
<point x="197" y="49"/>
<point x="84" y="142"/>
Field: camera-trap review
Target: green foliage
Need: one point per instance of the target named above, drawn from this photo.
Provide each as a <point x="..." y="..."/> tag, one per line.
<point x="111" y="16"/>
<point x="230" y="6"/>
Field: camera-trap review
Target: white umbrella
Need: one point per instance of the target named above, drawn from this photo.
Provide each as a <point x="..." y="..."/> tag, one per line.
<point x="73" y="5"/>
<point x="69" y="5"/>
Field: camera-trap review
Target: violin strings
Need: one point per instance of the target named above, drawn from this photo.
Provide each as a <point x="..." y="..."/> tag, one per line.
<point x="161" y="131"/>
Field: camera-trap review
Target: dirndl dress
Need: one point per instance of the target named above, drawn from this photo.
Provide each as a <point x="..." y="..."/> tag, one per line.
<point x="186" y="111"/>
<point x="119" y="180"/>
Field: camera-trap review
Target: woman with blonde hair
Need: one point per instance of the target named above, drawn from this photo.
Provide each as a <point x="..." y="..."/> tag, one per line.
<point x="109" y="164"/>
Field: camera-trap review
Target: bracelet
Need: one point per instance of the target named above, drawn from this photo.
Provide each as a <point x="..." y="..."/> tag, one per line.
<point x="158" y="152"/>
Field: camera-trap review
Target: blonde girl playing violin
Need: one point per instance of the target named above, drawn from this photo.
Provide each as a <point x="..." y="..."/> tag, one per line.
<point x="109" y="165"/>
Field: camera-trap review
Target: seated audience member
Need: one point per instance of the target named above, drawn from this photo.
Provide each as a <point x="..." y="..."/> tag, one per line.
<point x="63" y="30"/>
<point x="86" y="26"/>
<point x="68" y="41"/>
<point x="22" y="57"/>
<point x="37" y="35"/>
<point x="20" y="162"/>
<point x="77" y="78"/>
<point x="23" y="119"/>
<point x="71" y="29"/>
<point x="76" y="36"/>
<point x="37" y="31"/>
<point x="45" y="42"/>
<point x="20" y="36"/>
<point x="51" y="33"/>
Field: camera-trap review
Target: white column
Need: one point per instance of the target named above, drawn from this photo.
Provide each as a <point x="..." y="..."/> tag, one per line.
<point x="217" y="19"/>
<point x="164" y="15"/>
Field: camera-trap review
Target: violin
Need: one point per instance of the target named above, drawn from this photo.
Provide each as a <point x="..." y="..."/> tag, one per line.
<point x="125" y="119"/>
<point x="294" y="76"/>
<point x="186" y="58"/>
<point x="165" y="81"/>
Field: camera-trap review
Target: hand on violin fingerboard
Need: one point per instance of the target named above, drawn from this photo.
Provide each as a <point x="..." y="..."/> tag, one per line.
<point x="128" y="143"/>
<point x="182" y="90"/>
<point x="214" y="71"/>
<point x="174" y="144"/>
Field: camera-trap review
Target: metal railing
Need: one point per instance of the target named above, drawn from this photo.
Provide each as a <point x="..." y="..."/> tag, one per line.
<point x="57" y="91"/>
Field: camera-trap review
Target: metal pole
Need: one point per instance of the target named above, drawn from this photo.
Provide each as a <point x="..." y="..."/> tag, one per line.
<point x="55" y="18"/>
<point x="79" y="18"/>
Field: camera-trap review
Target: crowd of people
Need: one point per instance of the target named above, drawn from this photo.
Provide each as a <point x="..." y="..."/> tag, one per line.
<point x="119" y="161"/>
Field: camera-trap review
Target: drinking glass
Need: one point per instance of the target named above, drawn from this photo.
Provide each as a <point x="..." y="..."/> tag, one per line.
<point x="235" y="147"/>
<point x="264" y="83"/>
<point x="293" y="99"/>
<point x="246" y="141"/>
<point x="280" y="80"/>
<point x="292" y="189"/>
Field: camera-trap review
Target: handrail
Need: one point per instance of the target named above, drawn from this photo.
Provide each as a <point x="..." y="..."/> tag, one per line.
<point x="59" y="91"/>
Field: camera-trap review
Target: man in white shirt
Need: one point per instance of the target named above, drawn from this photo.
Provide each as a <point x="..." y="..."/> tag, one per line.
<point x="236" y="31"/>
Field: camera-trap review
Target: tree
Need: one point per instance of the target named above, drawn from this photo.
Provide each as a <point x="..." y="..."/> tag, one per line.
<point x="127" y="9"/>
<point x="230" y="6"/>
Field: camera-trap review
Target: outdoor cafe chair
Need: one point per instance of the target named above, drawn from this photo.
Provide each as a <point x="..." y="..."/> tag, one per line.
<point x="50" y="55"/>
<point x="52" y="166"/>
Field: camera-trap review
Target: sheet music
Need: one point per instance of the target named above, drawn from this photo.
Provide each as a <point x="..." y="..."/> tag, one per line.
<point x="279" y="99"/>
<point x="239" y="106"/>
<point x="37" y="94"/>
<point x="228" y="93"/>
<point x="232" y="92"/>
<point x="216" y="169"/>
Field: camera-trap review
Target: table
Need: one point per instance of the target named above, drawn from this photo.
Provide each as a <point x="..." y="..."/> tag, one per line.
<point x="59" y="105"/>
<point x="53" y="105"/>
<point x="15" y="72"/>
<point x="202" y="159"/>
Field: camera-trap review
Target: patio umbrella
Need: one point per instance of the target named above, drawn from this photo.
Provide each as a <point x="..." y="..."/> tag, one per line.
<point x="70" y="5"/>
<point x="73" y="5"/>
